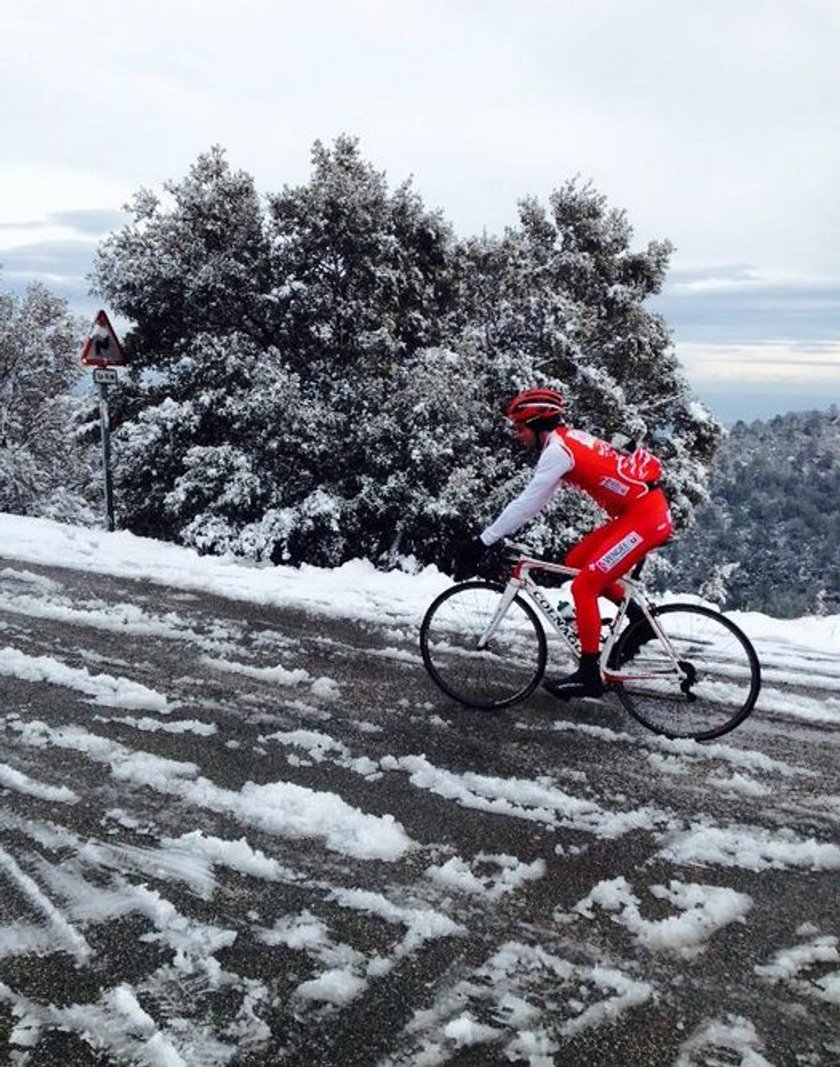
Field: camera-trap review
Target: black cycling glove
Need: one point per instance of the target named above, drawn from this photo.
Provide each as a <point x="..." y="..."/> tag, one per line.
<point x="465" y="556"/>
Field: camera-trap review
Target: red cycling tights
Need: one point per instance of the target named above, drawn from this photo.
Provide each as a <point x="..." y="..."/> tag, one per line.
<point x="609" y="552"/>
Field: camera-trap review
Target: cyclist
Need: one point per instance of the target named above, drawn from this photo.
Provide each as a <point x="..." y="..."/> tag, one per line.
<point x="625" y="484"/>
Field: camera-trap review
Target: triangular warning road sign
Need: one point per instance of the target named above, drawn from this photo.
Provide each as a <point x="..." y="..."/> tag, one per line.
<point x="102" y="348"/>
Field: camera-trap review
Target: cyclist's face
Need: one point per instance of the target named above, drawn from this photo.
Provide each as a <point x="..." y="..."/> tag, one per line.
<point x="526" y="436"/>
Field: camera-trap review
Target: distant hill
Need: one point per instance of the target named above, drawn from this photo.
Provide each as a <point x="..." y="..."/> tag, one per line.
<point x="769" y="540"/>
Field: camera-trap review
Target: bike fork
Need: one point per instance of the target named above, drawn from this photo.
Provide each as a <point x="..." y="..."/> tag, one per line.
<point x="511" y="589"/>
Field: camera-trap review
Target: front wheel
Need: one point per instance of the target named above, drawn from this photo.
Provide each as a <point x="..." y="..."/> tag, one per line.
<point x="709" y="691"/>
<point x="506" y="670"/>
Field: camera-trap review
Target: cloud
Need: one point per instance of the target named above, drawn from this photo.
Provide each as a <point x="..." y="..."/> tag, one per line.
<point x="815" y="365"/>
<point x="708" y="122"/>
<point x="31" y="224"/>
<point x="61" y="256"/>
<point x="84" y="221"/>
<point x="741" y="304"/>
<point x="49" y="260"/>
<point x="72" y="289"/>
<point x="759" y="380"/>
<point x="737" y="327"/>
<point x="32" y="192"/>
<point x="747" y="401"/>
<point x="94" y="221"/>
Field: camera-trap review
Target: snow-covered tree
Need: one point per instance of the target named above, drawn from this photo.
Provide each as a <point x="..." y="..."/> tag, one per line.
<point x="361" y="286"/>
<point x="360" y="273"/>
<point x="323" y="375"/>
<point x="560" y="300"/>
<point x="45" y="468"/>
<point x="219" y="440"/>
<point x="771" y="525"/>
<point x="192" y="261"/>
<point x="274" y="339"/>
<point x="191" y="273"/>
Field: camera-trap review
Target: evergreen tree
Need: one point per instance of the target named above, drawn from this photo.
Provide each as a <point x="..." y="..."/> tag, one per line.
<point x="769" y="532"/>
<point x="559" y="301"/>
<point x="229" y="437"/>
<point x="191" y="273"/>
<point x="324" y="377"/>
<point x="360" y="273"/>
<point x="194" y="261"/>
<point x="362" y="283"/>
<point x="45" y="469"/>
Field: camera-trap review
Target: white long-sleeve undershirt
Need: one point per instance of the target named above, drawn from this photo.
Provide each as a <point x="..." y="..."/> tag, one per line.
<point x="555" y="461"/>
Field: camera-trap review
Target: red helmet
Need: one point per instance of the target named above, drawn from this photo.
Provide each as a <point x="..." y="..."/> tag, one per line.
<point x="535" y="404"/>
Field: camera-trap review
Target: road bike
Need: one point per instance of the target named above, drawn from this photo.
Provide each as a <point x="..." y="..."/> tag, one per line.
<point x="683" y="670"/>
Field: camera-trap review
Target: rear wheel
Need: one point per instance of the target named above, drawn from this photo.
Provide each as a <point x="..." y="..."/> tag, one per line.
<point x="502" y="673"/>
<point x="718" y="680"/>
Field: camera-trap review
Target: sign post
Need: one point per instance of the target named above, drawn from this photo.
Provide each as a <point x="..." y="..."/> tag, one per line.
<point x="104" y="353"/>
<point x="105" y="434"/>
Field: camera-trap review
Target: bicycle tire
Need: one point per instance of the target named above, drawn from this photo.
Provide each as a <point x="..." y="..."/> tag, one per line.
<point x="724" y="675"/>
<point x="505" y="672"/>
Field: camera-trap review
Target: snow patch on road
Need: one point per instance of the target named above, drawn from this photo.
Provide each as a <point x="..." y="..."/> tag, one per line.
<point x="731" y="1037"/>
<point x="489" y="876"/>
<point x="509" y="989"/>
<point x="22" y="783"/>
<point x="322" y="687"/>
<point x="702" y="911"/>
<point x="103" y="688"/>
<point x="538" y="801"/>
<point x="789" y="965"/>
<point x="281" y="808"/>
<point x="751" y="848"/>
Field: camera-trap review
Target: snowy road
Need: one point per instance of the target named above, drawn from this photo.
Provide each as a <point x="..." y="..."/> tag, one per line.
<point x="235" y="833"/>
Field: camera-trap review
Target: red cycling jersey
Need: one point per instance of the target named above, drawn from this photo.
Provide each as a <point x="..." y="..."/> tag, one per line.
<point x="613" y="479"/>
<point x="625" y="486"/>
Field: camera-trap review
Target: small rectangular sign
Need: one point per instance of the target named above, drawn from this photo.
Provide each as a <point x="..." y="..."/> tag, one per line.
<point x="105" y="375"/>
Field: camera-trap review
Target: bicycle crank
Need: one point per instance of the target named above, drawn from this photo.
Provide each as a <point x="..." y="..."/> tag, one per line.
<point x="689" y="680"/>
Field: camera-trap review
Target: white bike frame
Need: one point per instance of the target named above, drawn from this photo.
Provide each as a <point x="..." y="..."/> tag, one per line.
<point x="521" y="581"/>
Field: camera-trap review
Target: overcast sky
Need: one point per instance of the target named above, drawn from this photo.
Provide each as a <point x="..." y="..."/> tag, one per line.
<point x="714" y="123"/>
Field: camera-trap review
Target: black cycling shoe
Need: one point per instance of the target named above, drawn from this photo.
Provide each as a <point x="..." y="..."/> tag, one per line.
<point x="629" y="647"/>
<point x="586" y="681"/>
<point x="640" y="636"/>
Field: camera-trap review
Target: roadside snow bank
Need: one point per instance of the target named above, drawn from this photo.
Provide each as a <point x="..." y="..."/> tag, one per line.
<point x="356" y="590"/>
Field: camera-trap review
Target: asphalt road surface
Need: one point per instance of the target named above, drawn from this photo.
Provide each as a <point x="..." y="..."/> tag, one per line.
<point x="235" y="835"/>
